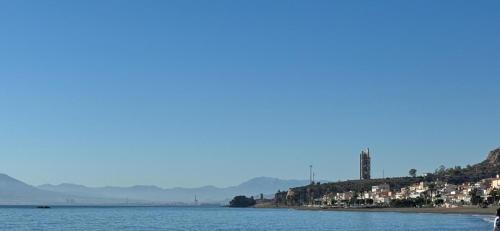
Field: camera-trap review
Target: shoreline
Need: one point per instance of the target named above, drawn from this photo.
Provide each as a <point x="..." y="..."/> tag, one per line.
<point x="490" y="211"/>
<point x="467" y="211"/>
<point x="461" y="210"/>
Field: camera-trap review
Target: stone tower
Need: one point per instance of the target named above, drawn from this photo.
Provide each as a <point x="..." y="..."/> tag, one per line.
<point x="364" y="164"/>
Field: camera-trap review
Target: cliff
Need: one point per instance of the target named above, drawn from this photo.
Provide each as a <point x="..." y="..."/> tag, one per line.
<point x="493" y="158"/>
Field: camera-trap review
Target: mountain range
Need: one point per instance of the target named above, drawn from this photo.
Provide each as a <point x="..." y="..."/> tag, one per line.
<point x="13" y="191"/>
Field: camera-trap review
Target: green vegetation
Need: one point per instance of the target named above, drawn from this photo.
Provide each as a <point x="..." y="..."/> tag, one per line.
<point x="412" y="172"/>
<point x="495" y="196"/>
<point x="476" y="198"/>
<point x="242" y="202"/>
<point x="458" y="175"/>
<point x="439" y="202"/>
<point x="407" y="203"/>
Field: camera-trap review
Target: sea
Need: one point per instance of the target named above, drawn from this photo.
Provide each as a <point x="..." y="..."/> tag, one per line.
<point x="221" y="218"/>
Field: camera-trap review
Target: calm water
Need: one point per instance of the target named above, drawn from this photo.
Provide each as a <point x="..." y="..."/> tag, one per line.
<point x="196" y="218"/>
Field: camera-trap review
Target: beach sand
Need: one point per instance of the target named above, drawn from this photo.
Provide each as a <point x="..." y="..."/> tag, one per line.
<point x="461" y="210"/>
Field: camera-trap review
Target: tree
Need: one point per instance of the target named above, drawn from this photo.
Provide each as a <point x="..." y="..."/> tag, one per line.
<point x="413" y="172"/>
<point x="495" y="194"/>
<point x="432" y="189"/>
<point x="441" y="170"/>
<point x="475" y="197"/>
<point x="242" y="202"/>
<point x="354" y="199"/>
<point x="439" y="202"/>
<point x="408" y="203"/>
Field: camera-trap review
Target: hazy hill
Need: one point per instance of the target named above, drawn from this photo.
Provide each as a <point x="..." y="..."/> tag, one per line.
<point x="206" y="194"/>
<point x="13" y="191"/>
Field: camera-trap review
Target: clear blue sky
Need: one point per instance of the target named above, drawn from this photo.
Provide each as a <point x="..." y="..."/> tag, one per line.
<point x="189" y="93"/>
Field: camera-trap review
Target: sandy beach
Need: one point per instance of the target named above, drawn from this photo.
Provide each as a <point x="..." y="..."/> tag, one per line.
<point x="460" y="210"/>
<point x="463" y="210"/>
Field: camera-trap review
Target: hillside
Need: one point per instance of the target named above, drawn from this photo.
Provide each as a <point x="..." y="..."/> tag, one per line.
<point x="13" y="191"/>
<point x="305" y="193"/>
<point x="488" y="168"/>
<point x="16" y="192"/>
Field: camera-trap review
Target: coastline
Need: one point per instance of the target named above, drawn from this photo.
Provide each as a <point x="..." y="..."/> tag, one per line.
<point x="466" y="210"/>
<point x="461" y="210"/>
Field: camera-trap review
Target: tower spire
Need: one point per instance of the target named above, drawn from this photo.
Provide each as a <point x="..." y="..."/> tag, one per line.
<point x="364" y="164"/>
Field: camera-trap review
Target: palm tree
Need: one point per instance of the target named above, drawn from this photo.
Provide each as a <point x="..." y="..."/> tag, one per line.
<point x="495" y="194"/>
<point x="432" y="189"/>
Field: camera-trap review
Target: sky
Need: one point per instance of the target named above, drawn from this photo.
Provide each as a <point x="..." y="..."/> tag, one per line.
<point x="193" y="93"/>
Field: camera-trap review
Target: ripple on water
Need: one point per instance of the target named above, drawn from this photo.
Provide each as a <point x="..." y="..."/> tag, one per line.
<point x="228" y="219"/>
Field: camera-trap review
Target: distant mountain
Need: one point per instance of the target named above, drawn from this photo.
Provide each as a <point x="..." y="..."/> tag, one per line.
<point x="13" y="191"/>
<point x="207" y="194"/>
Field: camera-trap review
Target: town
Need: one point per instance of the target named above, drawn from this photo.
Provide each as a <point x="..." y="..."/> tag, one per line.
<point x="446" y="188"/>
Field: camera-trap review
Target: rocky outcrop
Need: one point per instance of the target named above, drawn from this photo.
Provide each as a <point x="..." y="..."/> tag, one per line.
<point x="493" y="157"/>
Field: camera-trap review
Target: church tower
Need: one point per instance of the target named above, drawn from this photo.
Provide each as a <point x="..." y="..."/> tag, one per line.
<point x="364" y="164"/>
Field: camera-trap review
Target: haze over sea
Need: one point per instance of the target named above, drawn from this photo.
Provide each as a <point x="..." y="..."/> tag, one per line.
<point x="220" y="218"/>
